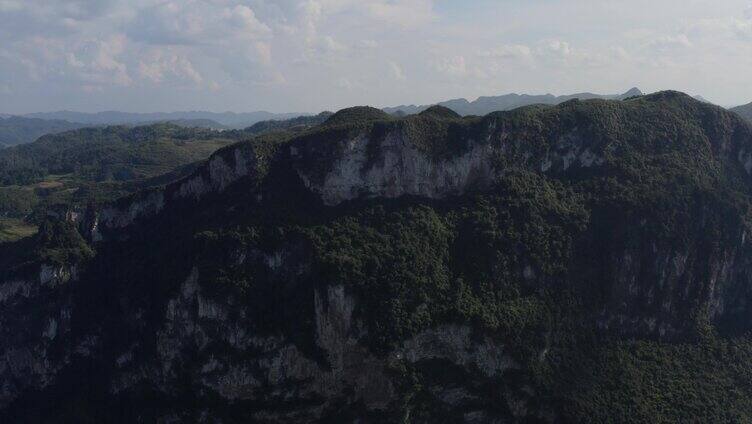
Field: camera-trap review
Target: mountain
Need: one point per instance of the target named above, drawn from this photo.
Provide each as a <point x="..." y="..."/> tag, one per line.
<point x="485" y="105"/>
<point x="103" y="153"/>
<point x="197" y="123"/>
<point x="95" y="164"/>
<point x="744" y="111"/>
<point x="702" y="99"/>
<point x="228" y="119"/>
<point x="18" y="130"/>
<point x="294" y="124"/>
<point x="582" y="262"/>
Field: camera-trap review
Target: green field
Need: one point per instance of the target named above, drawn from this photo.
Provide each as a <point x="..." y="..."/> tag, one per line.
<point x="15" y="229"/>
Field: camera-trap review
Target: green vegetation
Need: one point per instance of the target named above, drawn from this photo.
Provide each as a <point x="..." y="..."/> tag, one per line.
<point x="599" y="284"/>
<point x="295" y="124"/>
<point x="108" y="154"/>
<point x="59" y="242"/>
<point x="419" y="266"/>
<point x="96" y="165"/>
<point x="18" y="130"/>
<point x="440" y="112"/>
<point x="644" y="381"/>
<point x="532" y="263"/>
<point x="356" y="116"/>
<point x="17" y="202"/>
<point x="15" y="229"/>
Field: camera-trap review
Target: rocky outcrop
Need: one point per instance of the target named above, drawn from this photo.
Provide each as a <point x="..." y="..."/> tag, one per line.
<point x="346" y="373"/>
<point x="222" y="169"/>
<point x="399" y="167"/>
<point x="35" y="315"/>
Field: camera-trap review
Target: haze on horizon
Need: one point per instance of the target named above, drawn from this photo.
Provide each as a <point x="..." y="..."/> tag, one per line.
<point x="312" y="55"/>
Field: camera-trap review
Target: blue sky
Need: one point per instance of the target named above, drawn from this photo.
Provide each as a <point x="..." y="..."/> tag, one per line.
<point x="311" y="55"/>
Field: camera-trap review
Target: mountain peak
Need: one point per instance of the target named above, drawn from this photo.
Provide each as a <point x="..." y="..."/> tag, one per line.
<point x="357" y="114"/>
<point x="440" y="112"/>
<point x="634" y="91"/>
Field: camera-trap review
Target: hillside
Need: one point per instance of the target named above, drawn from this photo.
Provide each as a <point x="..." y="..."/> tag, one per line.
<point x="485" y="105"/>
<point x="581" y="262"/>
<point x="292" y="124"/>
<point x="95" y="165"/>
<point x="197" y="123"/>
<point x="744" y="111"/>
<point x="227" y="119"/>
<point x="108" y="153"/>
<point x="18" y="130"/>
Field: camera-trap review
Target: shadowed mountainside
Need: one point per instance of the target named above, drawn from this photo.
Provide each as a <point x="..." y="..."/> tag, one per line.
<point x="584" y="262"/>
<point x="744" y="111"/>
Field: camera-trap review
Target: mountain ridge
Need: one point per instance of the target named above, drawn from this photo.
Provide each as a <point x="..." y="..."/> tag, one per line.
<point x="745" y="111"/>
<point x="16" y="130"/>
<point x="486" y="104"/>
<point x="430" y="268"/>
<point x="230" y="119"/>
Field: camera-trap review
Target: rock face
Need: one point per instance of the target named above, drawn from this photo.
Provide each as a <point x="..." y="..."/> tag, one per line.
<point x="35" y="317"/>
<point x="401" y="169"/>
<point x="425" y="269"/>
<point x="222" y="169"/>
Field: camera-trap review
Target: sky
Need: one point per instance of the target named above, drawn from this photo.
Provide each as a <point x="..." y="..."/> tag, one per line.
<point x="313" y="55"/>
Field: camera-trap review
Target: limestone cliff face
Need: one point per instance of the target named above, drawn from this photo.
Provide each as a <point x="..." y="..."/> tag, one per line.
<point x="653" y="289"/>
<point x="221" y="170"/>
<point x="400" y="169"/>
<point x="35" y="314"/>
<point x="391" y="165"/>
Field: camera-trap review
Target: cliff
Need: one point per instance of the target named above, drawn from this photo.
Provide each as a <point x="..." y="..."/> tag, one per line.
<point x="583" y="262"/>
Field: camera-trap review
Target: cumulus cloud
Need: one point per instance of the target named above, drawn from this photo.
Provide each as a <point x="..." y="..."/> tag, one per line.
<point x="405" y="13"/>
<point x="555" y="48"/>
<point x="317" y="54"/>
<point x="88" y="62"/>
<point x="160" y="66"/>
<point x="668" y="42"/>
<point x="196" y="22"/>
<point x="396" y="71"/>
<point x="454" y="66"/>
<point x="511" y="52"/>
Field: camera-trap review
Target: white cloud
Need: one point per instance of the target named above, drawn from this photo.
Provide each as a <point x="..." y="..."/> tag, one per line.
<point x="404" y="13"/>
<point x="555" y="48"/>
<point x="667" y="42"/>
<point x="306" y="55"/>
<point x="161" y="66"/>
<point x="10" y="5"/>
<point x="88" y="62"/>
<point x="507" y="52"/>
<point x="344" y="84"/>
<point x="396" y="71"/>
<point x="368" y="44"/>
<point x="453" y="66"/>
<point x="196" y="22"/>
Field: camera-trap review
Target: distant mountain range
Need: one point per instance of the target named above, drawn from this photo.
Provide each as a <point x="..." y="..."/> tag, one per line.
<point x="27" y="128"/>
<point x="486" y="105"/>
<point x="745" y="111"/>
<point x="226" y="119"/>
<point x="19" y="130"/>
<point x="16" y="130"/>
